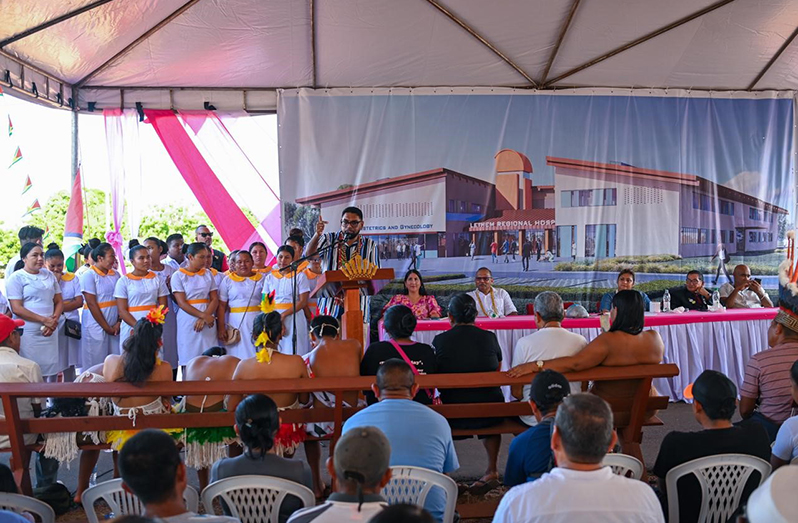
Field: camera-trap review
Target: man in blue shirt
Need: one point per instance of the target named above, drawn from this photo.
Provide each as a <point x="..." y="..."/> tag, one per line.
<point x="419" y="436"/>
<point x="530" y="452"/>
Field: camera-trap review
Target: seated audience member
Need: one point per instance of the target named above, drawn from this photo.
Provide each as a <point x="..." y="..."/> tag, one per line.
<point x="414" y="295"/>
<point x="205" y="446"/>
<point x="359" y="468"/>
<point x="269" y="363"/>
<point x="257" y="423"/>
<point x="492" y="302"/>
<point x="765" y="395"/>
<point x="785" y="449"/>
<point x="403" y="513"/>
<point x="715" y="398"/>
<point x="138" y="364"/>
<point x="774" y="501"/>
<point x="530" y="452"/>
<point x="16" y="369"/>
<point x="399" y="323"/>
<point x="745" y="293"/>
<point x="580" y="489"/>
<point x="626" y="281"/>
<point x="331" y="357"/>
<point x="625" y="344"/>
<point x="9" y="486"/>
<point x="467" y="348"/>
<point x="693" y="296"/>
<point x="549" y="341"/>
<point x="151" y="469"/>
<point x="419" y="436"/>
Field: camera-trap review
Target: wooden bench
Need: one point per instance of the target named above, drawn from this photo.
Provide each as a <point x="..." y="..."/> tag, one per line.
<point x="630" y="435"/>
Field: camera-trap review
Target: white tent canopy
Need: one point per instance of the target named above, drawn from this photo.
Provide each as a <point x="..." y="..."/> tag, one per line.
<point x="237" y="53"/>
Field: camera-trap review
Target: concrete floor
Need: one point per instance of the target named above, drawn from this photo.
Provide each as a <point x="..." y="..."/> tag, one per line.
<point x="471" y="454"/>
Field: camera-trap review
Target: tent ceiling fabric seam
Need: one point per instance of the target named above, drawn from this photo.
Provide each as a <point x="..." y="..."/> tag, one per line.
<point x="55" y="21"/>
<point x="560" y="39"/>
<point x="638" y="41"/>
<point x="774" y="59"/>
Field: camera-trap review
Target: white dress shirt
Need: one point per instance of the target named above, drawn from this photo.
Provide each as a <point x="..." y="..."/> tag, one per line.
<point x="746" y="298"/>
<point x="499" y="306"/>
<point x="16" y="369"/>
<point x="546" y="344"/>
<point x="573" y="496"/>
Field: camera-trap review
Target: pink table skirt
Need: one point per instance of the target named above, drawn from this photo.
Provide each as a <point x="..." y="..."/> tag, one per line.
<point x="695" y="341"/>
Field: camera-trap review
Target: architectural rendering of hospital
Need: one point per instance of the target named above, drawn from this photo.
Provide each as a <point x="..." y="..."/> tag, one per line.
<point x="593" y="210"/>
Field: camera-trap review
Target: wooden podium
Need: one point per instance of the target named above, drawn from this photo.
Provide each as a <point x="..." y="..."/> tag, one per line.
<point x="332" y="283"/>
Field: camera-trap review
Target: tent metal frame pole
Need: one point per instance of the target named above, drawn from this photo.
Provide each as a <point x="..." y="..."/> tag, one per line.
<point x="57" y="20"/>
<point x="638" y="41"/>
<point x="154" y="29"/>
<point x="484" y="42"/>
<point x="75" y="138"/>
<point x="560" y="39"/>
<point x="23" y="65"/>
<point x="313" y="42"/>
<point x="773" y="59"/>
<point x="174" y="88"/>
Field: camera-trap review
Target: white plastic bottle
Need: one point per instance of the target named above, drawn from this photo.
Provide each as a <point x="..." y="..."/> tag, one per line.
<point x="666" y="301"/>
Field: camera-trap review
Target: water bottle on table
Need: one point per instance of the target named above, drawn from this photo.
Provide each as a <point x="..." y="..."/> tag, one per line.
<point x="715" y="300"/>
<point x="666" y="301"/>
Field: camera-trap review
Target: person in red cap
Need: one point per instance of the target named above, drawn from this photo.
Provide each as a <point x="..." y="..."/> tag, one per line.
<point x="16" y="369"/>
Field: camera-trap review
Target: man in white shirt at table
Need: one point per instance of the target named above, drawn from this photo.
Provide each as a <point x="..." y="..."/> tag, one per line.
<point x="492" y="302"/>
<point x="745" y="293"/>
<point x="549" y="341"/>
<point x="580" y="489"/>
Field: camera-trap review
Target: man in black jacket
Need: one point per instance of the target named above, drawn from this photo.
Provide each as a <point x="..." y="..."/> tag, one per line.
<point x="204" y="235"/>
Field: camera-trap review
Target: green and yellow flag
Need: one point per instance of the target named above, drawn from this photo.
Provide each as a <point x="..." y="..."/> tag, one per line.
<point x="17" y="157"/>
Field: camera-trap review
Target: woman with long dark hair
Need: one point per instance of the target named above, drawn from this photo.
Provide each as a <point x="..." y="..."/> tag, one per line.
<point x="138" y="364"/>
<point x="195" y="291"/>
<point x="72" y="301"/>
<point x="138" y="292"/>
<point x="157" y="249"/>
<point x="35" y="297"/>
<point x="257" y="424"/>
<point x="100" y="319"/>
<point x="467" y="348"/>
<point x="415" y="296"/>
<point x="270" y="363"/>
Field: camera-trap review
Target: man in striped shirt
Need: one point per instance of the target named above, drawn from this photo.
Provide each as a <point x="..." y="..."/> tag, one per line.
<point x="766" y="391"/>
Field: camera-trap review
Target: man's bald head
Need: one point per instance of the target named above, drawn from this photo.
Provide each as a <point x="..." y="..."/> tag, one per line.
<point x="395" y="375"/>
<point x="742" y="274"/>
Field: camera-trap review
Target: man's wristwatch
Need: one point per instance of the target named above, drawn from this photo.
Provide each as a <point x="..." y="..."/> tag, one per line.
<point x="540" y="364"/>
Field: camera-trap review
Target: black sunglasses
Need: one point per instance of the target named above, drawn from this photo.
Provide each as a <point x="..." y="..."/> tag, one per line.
<point x="206" y="234"/>
<point x="19" y="331"/>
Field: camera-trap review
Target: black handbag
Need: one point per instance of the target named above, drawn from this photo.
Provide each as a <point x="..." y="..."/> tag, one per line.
<point x="72" y="329"/>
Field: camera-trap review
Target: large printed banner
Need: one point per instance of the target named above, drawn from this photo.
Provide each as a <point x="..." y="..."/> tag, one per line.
<point x="455" y="179"/>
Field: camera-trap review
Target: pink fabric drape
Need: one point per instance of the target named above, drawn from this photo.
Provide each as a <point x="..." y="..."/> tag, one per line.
<point x="114" y="138"/>
<point x="224" y="213"/>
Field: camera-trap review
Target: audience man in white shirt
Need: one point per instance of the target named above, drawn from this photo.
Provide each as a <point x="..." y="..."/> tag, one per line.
<point x="745" y="293"/>
<point x="16" y="369"/>
<point x="549" y="341"/>
<point x="492" y="302"/>
<point x="580" y="489"/>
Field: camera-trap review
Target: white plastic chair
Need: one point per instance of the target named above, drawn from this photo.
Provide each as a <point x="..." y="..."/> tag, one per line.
<point x="122" y="502"/>
<point x="623" y="464"/>
<point x="19" y="503"/>
<point x="722" y="479"/>
<point x="412" y="485"/>
<point x="254" y="498"/>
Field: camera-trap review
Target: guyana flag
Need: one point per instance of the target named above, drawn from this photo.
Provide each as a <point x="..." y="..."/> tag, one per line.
<point x="35" y="206"/>
<point x="28" y="185"/>
<point x="10" y="127"/>
<point x="17" y="157"/>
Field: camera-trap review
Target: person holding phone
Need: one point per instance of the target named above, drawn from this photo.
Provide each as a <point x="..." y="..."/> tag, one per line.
<point x="745" y="293"/>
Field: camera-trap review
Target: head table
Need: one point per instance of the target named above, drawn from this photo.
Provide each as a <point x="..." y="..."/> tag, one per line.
<point x="695" y="341"/>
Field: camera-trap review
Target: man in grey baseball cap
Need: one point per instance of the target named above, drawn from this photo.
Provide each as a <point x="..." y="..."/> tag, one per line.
<point x="360" y="469"/>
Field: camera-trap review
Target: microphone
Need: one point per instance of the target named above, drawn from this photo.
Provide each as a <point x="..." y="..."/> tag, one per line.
<point x="349" y="236"/>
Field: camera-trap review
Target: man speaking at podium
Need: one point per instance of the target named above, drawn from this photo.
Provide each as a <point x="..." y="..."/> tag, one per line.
<point x="349" y="242"/>
<point x="345" y="245"/>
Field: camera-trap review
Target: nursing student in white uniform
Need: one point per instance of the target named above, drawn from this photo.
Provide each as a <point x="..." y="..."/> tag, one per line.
<point x="194" y="289"/>
<point x="282" y="284"/>
<point x="100" y="318"/>
<point x="239" y="303"/>
<point x="165" y="272"/>
<point x="35" y="297"/>
<point x="72" y="300"/>
<point x="138" y="292"/>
